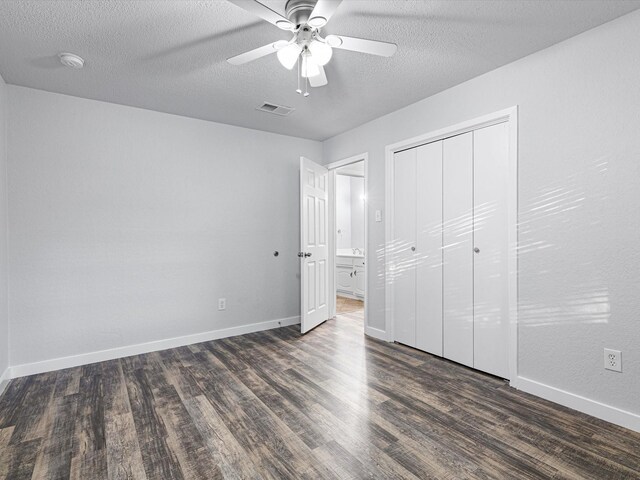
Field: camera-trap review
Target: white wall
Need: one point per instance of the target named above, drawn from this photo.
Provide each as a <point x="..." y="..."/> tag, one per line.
<point x="126" y="225"/>
<point x="349" y="212"/>
<point x="579" y="202"/>
<point x="357" y="212"/>
<point x="4" y="313"/>
<point x="343" y="212"/>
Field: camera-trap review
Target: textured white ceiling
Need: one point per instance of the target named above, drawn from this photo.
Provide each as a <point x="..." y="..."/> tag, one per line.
<point x="170" y="55"/>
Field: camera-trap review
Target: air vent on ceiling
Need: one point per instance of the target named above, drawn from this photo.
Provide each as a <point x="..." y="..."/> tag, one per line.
<point x="276" y="109"/>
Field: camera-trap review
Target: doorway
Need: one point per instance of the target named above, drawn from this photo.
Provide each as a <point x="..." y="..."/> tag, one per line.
<point x="348" y="252"/>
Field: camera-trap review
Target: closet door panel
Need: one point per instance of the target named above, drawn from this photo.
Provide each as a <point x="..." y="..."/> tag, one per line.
<point x="404" y="229"/>
<point x="429" y="248"/>
<point x="457" y="166"/>
<point x="490" y="240"/>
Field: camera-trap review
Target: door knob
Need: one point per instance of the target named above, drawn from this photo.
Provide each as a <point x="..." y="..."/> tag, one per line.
<point x="413" y="249"/>
<point x="477" y="250"/>
<point x="307" y="255"/>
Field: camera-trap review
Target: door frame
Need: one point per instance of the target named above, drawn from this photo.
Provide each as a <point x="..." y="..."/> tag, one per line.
<point x="510" y="116"/>
<point x="333" y="238"/>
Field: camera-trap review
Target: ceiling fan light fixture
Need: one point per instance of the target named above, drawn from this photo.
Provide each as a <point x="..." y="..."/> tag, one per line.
<point x="288" y="56"/>
<point x="284" y="25"/>
<point x="317" y="22"/>
<point x="321" y="52"/>
<point x="309" y="67"/>
<point x="333" y="41"/>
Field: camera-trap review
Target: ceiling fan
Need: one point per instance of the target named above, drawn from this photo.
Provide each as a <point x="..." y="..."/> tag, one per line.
<point x="307" y="48"/>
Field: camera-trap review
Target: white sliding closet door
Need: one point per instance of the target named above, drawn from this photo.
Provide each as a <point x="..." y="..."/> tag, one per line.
<point x="457" y="181"/>
<point x="403" y="248"/>
<point x="491" y="324"/>
<point x="429" y="248"/>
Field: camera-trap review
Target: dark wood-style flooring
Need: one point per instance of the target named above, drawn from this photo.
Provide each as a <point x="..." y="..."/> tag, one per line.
<point x="331" y="404"/>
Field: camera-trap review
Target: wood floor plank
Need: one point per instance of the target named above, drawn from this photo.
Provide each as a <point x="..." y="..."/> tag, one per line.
<point x="31" y="423"/>
<point x="124" y="460"/>
<point x="160" y="462"/>
<point x="56" y="450"/>
<point x="21" y="460"/>
<point x="279" y="405"/>
<point x="225" y="451"/>
<point x="263" y="431"/>
<point x="5" y="437"/>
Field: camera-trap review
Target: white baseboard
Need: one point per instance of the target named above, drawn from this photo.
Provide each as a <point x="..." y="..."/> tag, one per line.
<point x="4" y="379"/>
<point x="376" y="333"/>
<point x="349" y="295"/>
<point x="582" y="404"/>
<point x="100" y="356"/>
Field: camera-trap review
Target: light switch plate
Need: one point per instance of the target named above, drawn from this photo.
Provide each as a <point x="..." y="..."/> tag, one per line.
<point x="222" y="304"/>
<point x="378" y="216"/>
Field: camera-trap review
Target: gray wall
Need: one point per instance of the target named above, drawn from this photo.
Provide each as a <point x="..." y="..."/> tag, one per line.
<point x="4" y="313"/>
<point x="579" y="202"/>
<point x="127" y="225"/>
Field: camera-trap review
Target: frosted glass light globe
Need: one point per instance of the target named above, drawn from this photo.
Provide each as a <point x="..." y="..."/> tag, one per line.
<point x="321" y="52"/>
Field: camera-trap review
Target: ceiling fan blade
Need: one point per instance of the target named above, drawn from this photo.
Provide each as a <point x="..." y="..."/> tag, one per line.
<point x="265" y="13"/>
<point x="256" y="53"/>
<point x="361" y="45"/>
<point x="319" y="80"/>
<point x="323" y="11"/>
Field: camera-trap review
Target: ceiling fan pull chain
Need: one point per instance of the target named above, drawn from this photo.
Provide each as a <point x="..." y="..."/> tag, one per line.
<point x="299" y="90"/>
<point x="306" y="86"/>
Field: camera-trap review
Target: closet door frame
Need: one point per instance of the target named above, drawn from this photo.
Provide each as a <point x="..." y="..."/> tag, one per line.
<point x="510" y="116"/>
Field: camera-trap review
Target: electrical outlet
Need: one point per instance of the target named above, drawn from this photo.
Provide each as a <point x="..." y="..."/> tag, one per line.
<point x="222" y="304"/>
<point x="613" y="360"/>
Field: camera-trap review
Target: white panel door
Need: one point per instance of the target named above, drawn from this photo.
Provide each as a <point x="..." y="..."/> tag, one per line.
<point x="429" y="248"/>
<point x="457" y="207"/>
<point x="314" y="249"/>
<point x="403" y="247"/>
<point x="491" y="319"/>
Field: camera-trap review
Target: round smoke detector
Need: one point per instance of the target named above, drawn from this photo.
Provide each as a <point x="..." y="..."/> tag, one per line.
<point x="71" y="60"/>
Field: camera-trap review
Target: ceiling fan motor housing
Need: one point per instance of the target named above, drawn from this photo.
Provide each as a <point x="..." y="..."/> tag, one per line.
<point x="298" y="11"/>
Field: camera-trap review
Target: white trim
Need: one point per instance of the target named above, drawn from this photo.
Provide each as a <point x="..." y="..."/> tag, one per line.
<point x="332" y="242"/>
<point x="119" y="352"/>
<point x="348" y="161"/>
<point x="332" y="225"/>
<point x="4" y="380"/>
<point x="582" y="404"/>
<point x="509" y="115"/>
<point x="349" y="295"/>
<point x="480" y="122"/>
<point x="375" y="333"/>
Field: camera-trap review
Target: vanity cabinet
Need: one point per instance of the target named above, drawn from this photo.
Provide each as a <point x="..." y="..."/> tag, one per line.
<point x="350" y="276"/>
<point x="344" y="279"/>
<point x="358" y="281"/>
